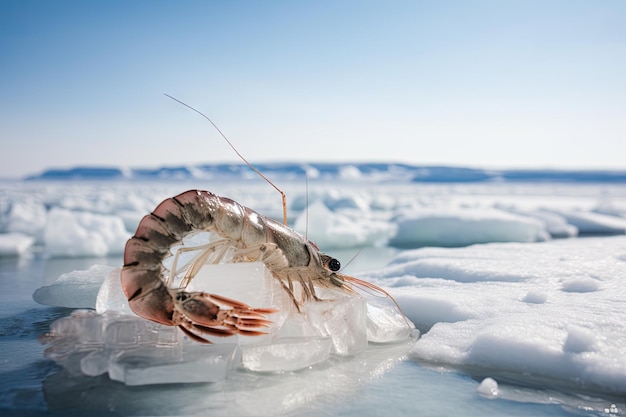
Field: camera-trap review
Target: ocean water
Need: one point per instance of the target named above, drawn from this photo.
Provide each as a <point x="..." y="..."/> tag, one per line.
<point x="447" y="293"/>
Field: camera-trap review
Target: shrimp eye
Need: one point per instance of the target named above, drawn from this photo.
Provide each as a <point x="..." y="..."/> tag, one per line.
<point x="334" y="265"/>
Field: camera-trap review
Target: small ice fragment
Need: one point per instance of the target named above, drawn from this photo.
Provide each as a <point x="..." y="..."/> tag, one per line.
<point x="76" y="289"/>
<point x="287" y="354"/>
<point x="299" y="325"/>
<point x="488" y="388"/>
<point x="579" y="340"/>
<point x="111" y="297"/>
<point x="386" y="324"/>
<point x="581" y="285"/>
<point x="343" y="317"/>
<point x="13" y="244"/>
<point x="535" y="297"/>
<point x="197" y="363"/>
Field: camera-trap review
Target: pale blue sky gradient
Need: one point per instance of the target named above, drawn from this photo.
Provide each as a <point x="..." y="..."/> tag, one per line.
<point x="536" y="83"/>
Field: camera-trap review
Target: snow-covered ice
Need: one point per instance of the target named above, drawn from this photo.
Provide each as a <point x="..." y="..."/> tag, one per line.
<point x="594" y="223"/>
<point x="27" y="217"/>
<point x="541" y="312"/>
<point x="69" y="233"/>
<point x="460" y="227"/>
<point x="88" y="220"/>
<point x="343" y="229"/>
<point x="550" y="312"/>
<point x="13" y="244"/>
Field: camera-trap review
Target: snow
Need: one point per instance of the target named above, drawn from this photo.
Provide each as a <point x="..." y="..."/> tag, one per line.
<point x="550" y="311"/>
<point x="594" y="223"/>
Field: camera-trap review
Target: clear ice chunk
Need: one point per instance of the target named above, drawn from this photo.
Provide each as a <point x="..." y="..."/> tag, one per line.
<point x="137" y="351"/>
<point x="286" y="354"/>
<point x="76" y="289"/>
<point x="336" y="325"/>
<point x="341" y="316"/>
<point x="194" y="363"/>
<point x="386" y="324"/>
<point x="111" y="297"/>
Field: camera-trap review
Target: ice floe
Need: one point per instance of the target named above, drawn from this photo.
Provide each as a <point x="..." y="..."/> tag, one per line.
<point x="551" y="311"/>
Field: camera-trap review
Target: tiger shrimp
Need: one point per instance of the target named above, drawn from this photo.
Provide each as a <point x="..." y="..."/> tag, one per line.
<point x="243" y="235"/>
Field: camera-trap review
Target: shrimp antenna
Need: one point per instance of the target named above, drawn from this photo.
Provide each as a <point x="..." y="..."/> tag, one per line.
<point x="284" y="197"/>
<point x="306" y="206"/>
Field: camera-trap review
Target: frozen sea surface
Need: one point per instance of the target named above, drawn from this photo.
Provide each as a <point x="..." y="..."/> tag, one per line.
<point x="532" y="324"/>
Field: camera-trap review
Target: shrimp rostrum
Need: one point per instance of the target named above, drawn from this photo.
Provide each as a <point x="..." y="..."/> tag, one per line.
<point x="242" y="235"/>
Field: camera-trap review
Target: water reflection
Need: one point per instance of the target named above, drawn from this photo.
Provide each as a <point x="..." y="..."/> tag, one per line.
<point x="241" y="394"/>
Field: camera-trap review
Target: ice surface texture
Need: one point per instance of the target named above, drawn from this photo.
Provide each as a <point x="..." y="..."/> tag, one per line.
<point x="138" y="352"/>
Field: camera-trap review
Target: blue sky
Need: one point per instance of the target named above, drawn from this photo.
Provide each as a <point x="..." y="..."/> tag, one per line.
<point x="535" y="83"/>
